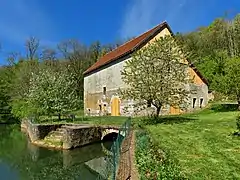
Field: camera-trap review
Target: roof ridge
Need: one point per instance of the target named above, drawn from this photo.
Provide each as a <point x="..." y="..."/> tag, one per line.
<point x="118" y="47"/>
<point x="155" y="28"/>
<point x="160" y="24"/>
<point x="127" y="47"/>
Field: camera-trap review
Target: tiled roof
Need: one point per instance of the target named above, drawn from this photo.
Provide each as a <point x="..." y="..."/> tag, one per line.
<point x="126" y="48"/>
<point x="132" y="45"/>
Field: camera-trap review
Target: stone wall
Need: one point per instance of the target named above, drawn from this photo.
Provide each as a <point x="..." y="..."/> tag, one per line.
<point x="198" y="92"/>
<point x="76" y="136"/>
<point x="92" y="102"/>
<point x="37" y="131"/>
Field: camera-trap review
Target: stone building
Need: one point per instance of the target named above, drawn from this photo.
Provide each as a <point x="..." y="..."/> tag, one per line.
<point x="103" y="79"/>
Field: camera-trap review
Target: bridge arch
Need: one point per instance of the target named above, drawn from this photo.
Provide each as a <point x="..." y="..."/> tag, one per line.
<point x="109" y="135"/>
<point x="107" y="132"/>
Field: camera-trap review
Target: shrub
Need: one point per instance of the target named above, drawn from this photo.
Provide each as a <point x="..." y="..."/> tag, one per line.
<point x="153" y="163"/>
<point x="21" y="109"/>
<point x="238" y="122"/>
<point x="224" y="107"/>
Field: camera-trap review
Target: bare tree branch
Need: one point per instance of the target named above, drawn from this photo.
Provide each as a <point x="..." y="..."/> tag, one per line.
<point x="32" y="45"/>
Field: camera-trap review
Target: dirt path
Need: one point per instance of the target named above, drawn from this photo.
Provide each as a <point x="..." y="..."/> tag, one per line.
<point x="127" y="168"/>
<point x="134" y="171"/>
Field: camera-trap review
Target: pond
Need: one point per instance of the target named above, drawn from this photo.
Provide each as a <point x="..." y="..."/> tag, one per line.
<point x="20" y="160"/>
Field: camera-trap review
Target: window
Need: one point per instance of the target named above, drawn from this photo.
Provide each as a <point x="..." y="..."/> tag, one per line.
<point x="194" y="101"/>
<point x="104" y="90"/>
<point x="100" y="107"/>
<point x="201" y="102"/>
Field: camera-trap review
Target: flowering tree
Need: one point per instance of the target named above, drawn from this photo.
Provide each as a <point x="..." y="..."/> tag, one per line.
<point x="52" y="92"/>
<point x="156" y="75"/>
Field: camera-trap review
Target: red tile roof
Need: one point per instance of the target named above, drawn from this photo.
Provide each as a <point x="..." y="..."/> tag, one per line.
<point x="127" y="48"/>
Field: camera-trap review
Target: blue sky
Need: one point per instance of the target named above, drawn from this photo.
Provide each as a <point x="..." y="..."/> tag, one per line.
<point x="105" y="20"/>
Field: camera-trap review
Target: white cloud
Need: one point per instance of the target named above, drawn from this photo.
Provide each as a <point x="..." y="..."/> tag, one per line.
<point x="142" y="15"/>
<point x="20" y="19"/>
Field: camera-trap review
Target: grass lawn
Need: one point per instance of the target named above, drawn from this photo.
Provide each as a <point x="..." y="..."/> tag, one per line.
<point x="202" y="144"/>
<point x="80" y="118"/>
<point x="95" y="120"/>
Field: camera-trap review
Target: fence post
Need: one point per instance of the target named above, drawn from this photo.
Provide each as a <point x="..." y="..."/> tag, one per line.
<point x="114" y="160"/>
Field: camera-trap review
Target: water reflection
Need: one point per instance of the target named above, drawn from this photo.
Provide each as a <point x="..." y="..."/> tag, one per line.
<point x="19" y="159"/>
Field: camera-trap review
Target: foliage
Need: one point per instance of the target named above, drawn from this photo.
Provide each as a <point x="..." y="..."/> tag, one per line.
<point x="224" y="107"/>
<point x="52" y="92"/>
<point x="156" y="74"/>
<point x="201" y="146"/>
<point x="21" y="74"/>
<point x="231" y="79"/>
<point x="152" y="163"/>
<point x="21" y="109"/>
<point x="238" y="123"/>
<point x="217" y="51"/>
<point x="5" y="99"/>
<point x="71" y="56"/>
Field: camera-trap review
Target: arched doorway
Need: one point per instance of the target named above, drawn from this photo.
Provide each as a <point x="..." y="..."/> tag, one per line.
<point x="115" y="106"/>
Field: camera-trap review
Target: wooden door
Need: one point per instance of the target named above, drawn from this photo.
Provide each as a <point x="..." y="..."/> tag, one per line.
<point x="115" y="107"/>
<point x="174" y="110"/>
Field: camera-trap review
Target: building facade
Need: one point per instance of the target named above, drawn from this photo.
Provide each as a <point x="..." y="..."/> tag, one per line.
<point x="102" y="80"/>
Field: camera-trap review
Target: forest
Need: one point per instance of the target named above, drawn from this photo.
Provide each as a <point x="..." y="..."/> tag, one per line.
<point x="47" y="81"/>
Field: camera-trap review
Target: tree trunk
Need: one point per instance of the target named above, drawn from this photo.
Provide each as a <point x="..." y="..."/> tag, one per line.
<point x="158" y="111"/>
<point x="59" y="116"/>
<point x="239" y="104"/>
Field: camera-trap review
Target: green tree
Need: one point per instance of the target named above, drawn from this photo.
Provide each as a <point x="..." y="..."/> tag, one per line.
<point x="22" y="72"/>
<point x="156" y="74"/>
<point x="5" y="99"/>
<point x="77" y="60"/>
<point x="230" y="81"/>
<point x="51" y="92"/>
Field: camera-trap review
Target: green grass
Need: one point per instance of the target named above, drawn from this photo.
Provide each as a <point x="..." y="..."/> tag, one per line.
<point x="151" y="162"/>
<point x="201" y="143"/>
<point x="95" y="120"/>
<point x="80" y="118"/>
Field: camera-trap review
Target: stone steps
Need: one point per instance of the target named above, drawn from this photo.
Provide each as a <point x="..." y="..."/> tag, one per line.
<point x="55" y="137"/>
<point x="55" y="133"/>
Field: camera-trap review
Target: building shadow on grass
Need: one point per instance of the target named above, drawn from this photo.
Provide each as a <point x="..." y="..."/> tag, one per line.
<point x="167" y="120"/>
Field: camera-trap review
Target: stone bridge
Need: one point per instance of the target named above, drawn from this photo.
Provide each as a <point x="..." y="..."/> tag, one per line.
<point x="72" y="135"/>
